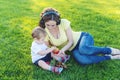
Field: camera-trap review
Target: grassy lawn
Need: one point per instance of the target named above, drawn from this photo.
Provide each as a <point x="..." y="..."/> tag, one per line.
<point x="101" y="18"/>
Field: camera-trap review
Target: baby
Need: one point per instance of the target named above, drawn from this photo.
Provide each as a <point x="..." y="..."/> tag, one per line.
<point x="41" y="54"/>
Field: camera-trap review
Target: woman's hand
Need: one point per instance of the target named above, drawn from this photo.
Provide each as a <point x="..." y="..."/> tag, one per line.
<point x="61" y="53"/>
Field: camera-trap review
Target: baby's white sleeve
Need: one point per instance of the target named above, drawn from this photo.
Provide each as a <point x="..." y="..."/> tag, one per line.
<point x="35" y="49"/>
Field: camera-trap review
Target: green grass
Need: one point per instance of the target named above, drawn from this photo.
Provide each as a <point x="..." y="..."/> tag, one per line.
<point x="19" y="17"/>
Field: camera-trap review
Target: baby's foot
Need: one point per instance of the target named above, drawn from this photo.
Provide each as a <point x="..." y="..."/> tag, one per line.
<point x="67" y="57"/>
<point x="57" y="70"/>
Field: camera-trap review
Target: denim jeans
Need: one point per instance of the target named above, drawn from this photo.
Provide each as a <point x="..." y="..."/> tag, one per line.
<point x="86" y="53"/>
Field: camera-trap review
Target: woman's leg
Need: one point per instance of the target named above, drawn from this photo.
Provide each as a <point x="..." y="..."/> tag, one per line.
<point x="86" y="46"/>
<point x="87" y="59"/>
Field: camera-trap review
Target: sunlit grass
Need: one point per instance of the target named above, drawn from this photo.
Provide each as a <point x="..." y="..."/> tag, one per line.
<point x="107" y="8"/>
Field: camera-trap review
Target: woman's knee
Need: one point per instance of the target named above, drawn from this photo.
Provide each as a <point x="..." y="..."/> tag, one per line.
<point x="85" y="50"/>
<point x="81" y="59"/>
<point x="85" y="46"/>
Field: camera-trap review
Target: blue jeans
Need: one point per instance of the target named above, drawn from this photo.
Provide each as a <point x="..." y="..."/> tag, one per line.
<point x="86" y="53"/>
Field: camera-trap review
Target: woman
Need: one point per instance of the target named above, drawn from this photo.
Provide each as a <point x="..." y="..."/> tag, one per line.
<point x="81" y="44"/>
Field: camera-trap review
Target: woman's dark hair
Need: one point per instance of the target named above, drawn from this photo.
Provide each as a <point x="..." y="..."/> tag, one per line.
<point x="49" y="14"/>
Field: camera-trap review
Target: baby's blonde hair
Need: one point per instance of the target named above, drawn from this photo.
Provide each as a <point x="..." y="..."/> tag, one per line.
<point x="38" y="32"/>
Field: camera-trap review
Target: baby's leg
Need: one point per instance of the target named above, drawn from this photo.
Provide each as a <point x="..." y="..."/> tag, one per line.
<point x="45" y="66"/>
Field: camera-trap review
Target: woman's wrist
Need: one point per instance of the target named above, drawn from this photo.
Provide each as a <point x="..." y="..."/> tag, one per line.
<point x="62" y="50"/>
<point x="67" y="47"/>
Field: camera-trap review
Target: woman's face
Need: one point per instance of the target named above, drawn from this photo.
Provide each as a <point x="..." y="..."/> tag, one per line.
<point x="50" y="24"/>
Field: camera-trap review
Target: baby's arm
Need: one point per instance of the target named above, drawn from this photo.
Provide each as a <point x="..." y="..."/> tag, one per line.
<point x="44" y="52"/>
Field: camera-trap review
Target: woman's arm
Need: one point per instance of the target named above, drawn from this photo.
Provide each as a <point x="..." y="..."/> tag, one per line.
<point x="70" y="39"/>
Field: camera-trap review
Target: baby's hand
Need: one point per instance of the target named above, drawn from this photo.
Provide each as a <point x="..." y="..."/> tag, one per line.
<point x="56" y="51"/>
<point x="61" y="53"/>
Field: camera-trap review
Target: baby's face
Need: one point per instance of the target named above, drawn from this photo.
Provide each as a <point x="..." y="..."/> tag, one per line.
<point x="42" y="40"/>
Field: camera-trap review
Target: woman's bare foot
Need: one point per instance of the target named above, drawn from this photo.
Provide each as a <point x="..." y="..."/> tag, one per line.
<point x="115" y="51"/>
<point x="115" y="56"/>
